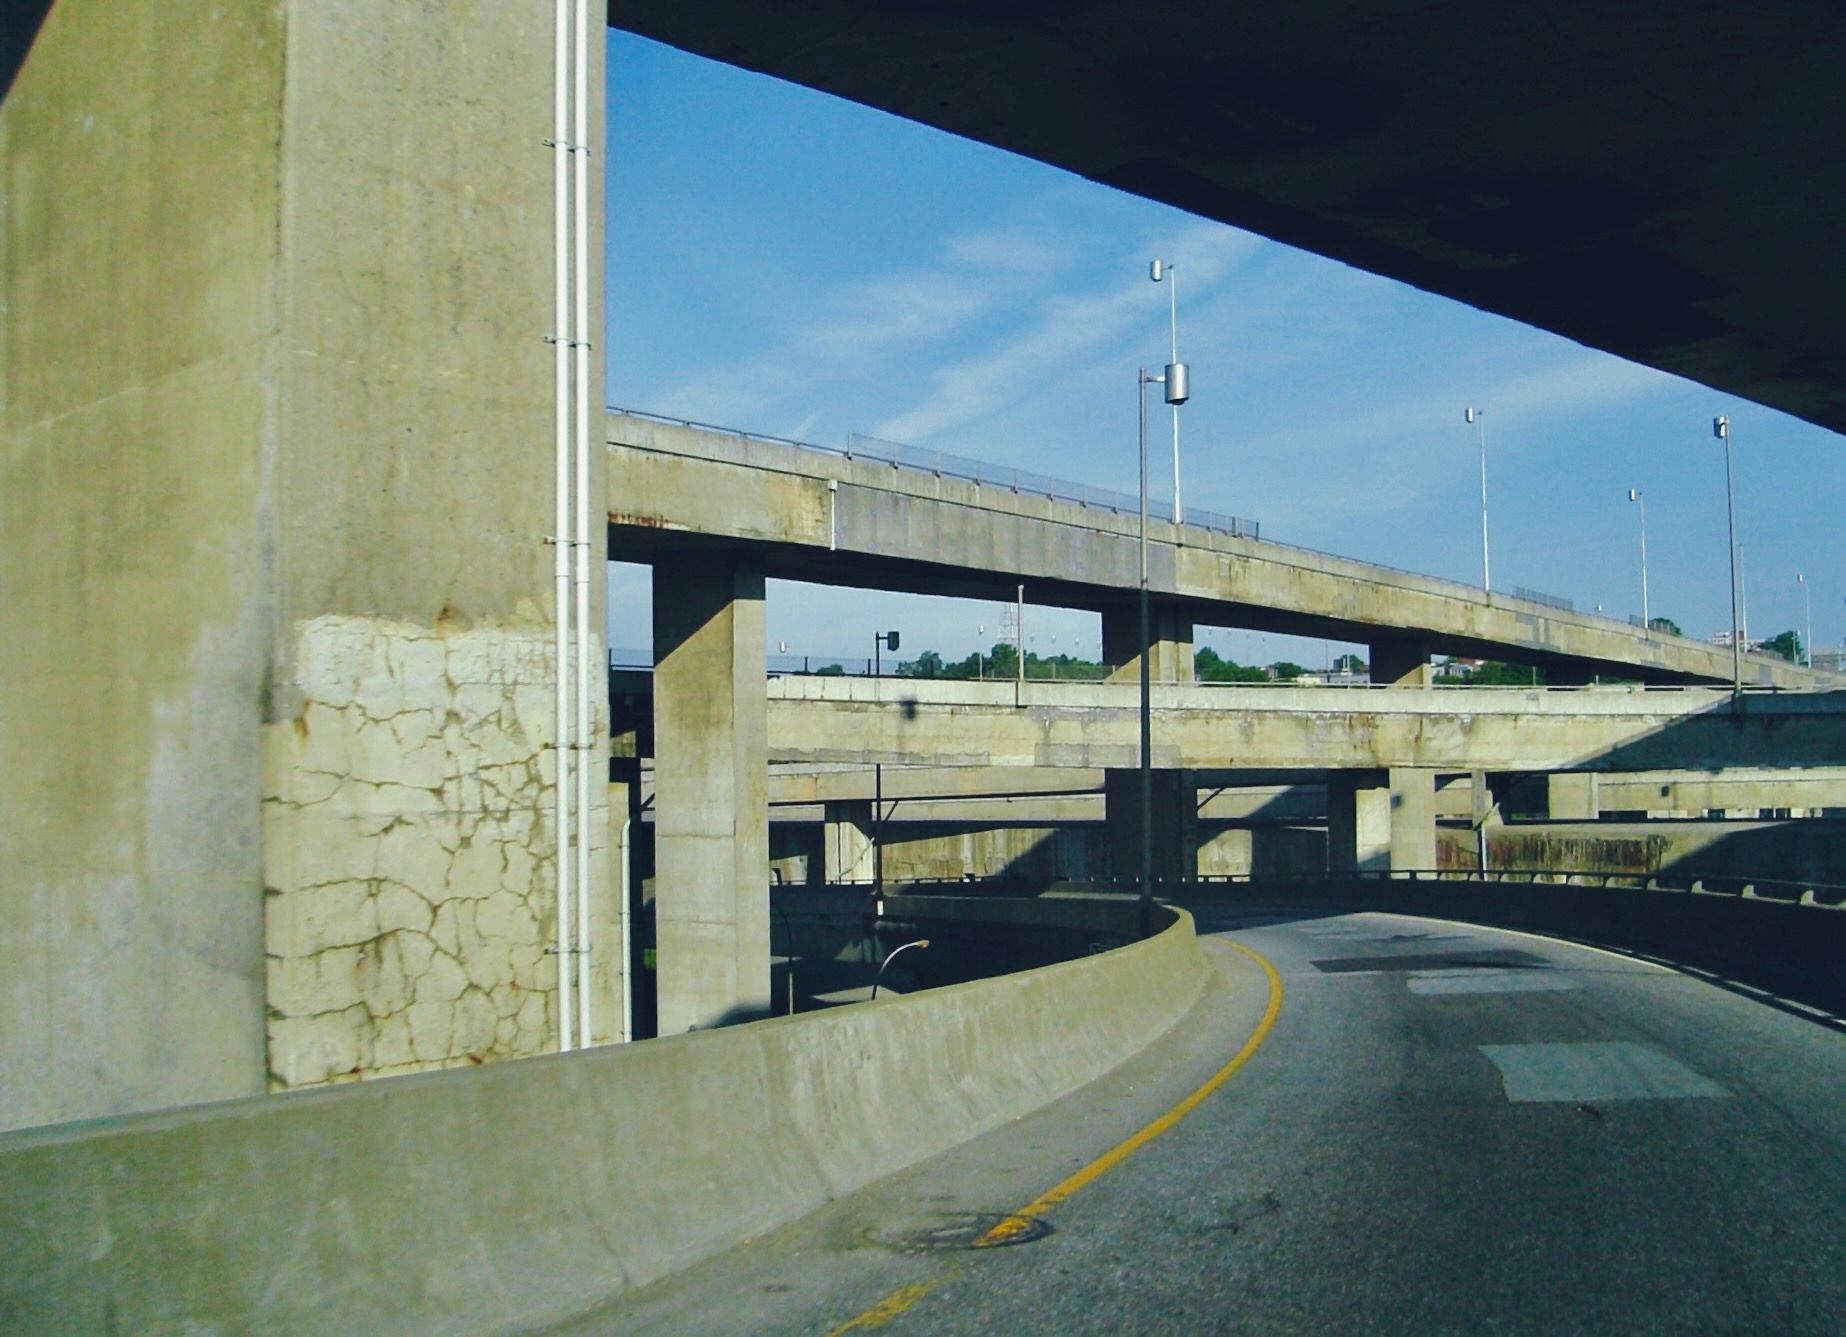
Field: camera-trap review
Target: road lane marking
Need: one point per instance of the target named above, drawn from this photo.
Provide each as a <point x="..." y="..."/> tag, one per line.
<point x="1597" y="1070"/>
<point x="890" y="1307"/>
<point x="904" y="1298"/>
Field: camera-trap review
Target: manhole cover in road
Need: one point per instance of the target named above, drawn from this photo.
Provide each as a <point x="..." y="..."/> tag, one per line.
<point x="980" y="1230"/>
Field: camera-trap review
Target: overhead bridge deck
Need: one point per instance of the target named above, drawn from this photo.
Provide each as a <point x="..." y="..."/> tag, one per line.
<point x="923" y="722"/>
<point x="813" y="516"/>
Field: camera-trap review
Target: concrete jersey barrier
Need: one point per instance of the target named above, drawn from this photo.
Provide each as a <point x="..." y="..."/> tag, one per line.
<point x="521" y="1193"/>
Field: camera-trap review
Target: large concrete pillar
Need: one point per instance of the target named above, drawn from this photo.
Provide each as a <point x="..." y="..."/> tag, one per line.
<point x="847" y="838"/>
<point x="1379" y="819"/>
<point x="1175" y="805"/>
<point x="1571" y="796"/>
<point x="1401" y="661"/>
<point x="1169" y="630"/>
<point x="1358" y="822"/>
<point x="276" y="485"/>
<point x="711" y="793"/>
<point x="1175" y="829"/>
<point x="1413" y="817"/>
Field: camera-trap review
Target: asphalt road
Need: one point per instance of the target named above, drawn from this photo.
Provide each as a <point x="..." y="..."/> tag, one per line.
<point x="1447" y="1129"/>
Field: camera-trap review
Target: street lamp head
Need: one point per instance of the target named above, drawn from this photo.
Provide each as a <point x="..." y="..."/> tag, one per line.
<point x="1469" y="415"/>
<point x="1177" y="382"/>
<point x="1157" y="270"/>
<point x="1634" y="494"/>
<point x="1721" y="427"/>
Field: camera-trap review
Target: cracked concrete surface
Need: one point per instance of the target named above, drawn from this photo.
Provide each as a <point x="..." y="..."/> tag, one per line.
<point x="410" y="851"/>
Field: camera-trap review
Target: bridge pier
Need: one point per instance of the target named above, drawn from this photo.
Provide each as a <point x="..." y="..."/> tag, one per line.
<point x="276" y="696"/>
<point x="1175" y="830"/>
<point x="1571" y="796"/>
<point x="711" y="820"/>
<point x="1379" y="820"/>
<point x="849" y="830"/>
<point x="1401" y="661"/>
<point x="1175" y="796"/>
<point x="1170" y="634"/>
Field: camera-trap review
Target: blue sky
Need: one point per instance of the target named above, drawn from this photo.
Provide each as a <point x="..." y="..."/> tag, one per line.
<point x="784" y="262"/>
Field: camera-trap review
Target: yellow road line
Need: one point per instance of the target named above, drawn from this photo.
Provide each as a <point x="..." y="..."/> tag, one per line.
<point x="1016" y="1223"/>
<point x="890" y="1307"/>
<point x="1120" y="1152"/>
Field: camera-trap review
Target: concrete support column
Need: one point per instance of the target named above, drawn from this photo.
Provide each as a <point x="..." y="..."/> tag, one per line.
<point x="1176" y="833"/>
<point x="275" y="480"/>
<point x="1358" y="822"/>
<point x="1413" y="817"/>
<point x="1401" y="661"/>
<point x="1170" y="632"/>
<point x="847" y="836"/>
<point x="711" y="819"/>
<point x="1378" y="820"/>
<point x="1175" y="825"/>
<point x="1572" y="796"/>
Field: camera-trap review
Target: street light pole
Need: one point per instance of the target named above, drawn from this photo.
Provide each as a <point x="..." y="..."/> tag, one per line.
<point x="1647" y="622"/>
<point x="1177" y="392"/>
<point x="1721" y="428"/>
<point x="1807" y="599"/>
<point x="1479" y="418"/>
<point x="1170" y="271"/>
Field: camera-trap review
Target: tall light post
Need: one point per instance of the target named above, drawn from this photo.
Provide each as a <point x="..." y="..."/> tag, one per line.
<point x="1479" y="418"/>
<point x="1807" y="599"/>
<point x="1721" y="428"/>
<point x="1647" y="622"/>
<point x="1177" y="392"/>
<point x="1156" y="271"/>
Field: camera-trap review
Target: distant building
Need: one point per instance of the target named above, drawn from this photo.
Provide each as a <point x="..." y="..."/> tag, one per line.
<point x="1830" y="661"/>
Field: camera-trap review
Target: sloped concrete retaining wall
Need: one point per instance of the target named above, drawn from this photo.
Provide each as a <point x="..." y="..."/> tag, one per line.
<point x="523" y="1192"/>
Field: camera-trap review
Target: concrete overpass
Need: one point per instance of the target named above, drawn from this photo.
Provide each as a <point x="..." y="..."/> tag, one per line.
<point x="291" y="743"/>
<point x="801" y="514"/>
<point x="1657" y="179"/>
<point x="931" y="722"/>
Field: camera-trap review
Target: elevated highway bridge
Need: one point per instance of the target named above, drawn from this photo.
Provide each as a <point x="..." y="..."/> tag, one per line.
<point x="779" y="509"/>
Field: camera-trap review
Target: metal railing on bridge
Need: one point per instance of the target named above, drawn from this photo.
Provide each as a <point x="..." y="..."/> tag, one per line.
<point x="941" y="464"/>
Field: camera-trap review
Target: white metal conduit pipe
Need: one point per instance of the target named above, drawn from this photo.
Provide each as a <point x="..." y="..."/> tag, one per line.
<point x="565" y="749"/>
<point x="577" y="667"/>
<point x="586" y="656"/>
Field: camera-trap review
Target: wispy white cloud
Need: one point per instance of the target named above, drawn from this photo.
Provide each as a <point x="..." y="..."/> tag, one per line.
<point x="1067" y="330"/>
<point x="857" y="326"/>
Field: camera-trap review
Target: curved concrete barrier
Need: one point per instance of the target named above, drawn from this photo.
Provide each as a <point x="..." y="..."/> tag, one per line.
<point x="521" y="1193"/>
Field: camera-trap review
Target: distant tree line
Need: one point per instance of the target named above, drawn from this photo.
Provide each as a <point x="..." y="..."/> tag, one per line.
<point x="1001" y="660"/>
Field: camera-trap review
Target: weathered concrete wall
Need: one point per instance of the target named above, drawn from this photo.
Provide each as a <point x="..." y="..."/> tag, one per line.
<point x="1809" y="850"/>
<point x="503" y="1198"/>
<point x="140" y="247"/>
<point x="277" y="273"/>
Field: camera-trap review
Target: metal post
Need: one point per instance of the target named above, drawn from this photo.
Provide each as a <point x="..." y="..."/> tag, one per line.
<point x="1147" y="773"/>
<point x="1173" y="325"/>
<point x="1479" y="418"/>
<point x="1019" y="637"/>
<point x="1647" y="621"/>
<point x="1807" y="599"/>
<point x="1721" y="428"/>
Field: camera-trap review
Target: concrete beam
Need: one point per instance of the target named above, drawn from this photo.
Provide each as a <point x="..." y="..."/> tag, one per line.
<point x="938" y="723"/>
